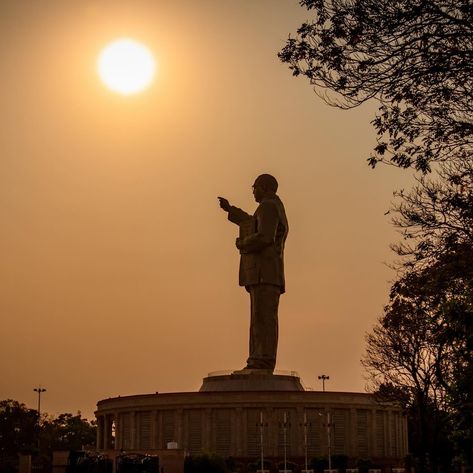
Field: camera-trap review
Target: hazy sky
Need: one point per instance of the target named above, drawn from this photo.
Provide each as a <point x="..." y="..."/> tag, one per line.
<point x="118" y="270"/>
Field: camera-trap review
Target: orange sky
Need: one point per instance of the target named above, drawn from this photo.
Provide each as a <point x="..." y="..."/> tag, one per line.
<point x="118" y="269"/>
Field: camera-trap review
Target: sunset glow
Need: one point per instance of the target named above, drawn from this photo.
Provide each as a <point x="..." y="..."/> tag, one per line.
<point x="126" y="66"/>
<point x="122" y="122"/>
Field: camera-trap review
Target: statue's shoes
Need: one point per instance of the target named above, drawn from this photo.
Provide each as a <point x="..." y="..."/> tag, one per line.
<point x="254" y="371"/>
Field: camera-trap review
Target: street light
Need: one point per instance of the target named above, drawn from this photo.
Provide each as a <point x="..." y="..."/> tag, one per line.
<point x="329" y="439"/>
<point x="306" y="425"/>
<point x="324" y="378"/>
<point x="285" y="424"/>
<point x="261" y="426"/>
<point x="39" y="390"/>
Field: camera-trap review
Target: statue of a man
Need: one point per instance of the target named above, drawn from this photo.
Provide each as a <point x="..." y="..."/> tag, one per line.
<point x="261" y="245"/>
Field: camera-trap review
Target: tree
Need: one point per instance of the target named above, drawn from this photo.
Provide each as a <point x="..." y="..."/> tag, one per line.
<point x="414" y="56"/>
<point x="421" y="353"/>
<point x="20" y="431"/>
<point x="18" y="427"/>
<point x="436" y="220"/>
<point x="436" y="217"/>
<point x="68" y="432"/>
<point x="451" y="283"/>
<point x="401" y="360"/>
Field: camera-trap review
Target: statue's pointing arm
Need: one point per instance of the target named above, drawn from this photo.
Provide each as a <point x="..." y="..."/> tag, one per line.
<point x="237" y="215"/>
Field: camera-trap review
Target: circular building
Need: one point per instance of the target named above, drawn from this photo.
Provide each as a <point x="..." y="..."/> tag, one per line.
<point x="237" y="414"/>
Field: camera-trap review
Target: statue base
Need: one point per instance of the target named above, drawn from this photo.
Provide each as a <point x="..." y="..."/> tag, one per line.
<point x="251" y="380"/>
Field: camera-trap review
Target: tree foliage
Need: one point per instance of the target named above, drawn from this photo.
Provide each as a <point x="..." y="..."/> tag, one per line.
<point x="422" y="346"/>
<point x="68" y="432"/>
<point x="18" y="427"/>
<point x="421" y="351"/>
<point x="401" y="360"/>
<point x="20" y="430"/>
<point x="435" y="218"/>
<point x="414" y="56"/>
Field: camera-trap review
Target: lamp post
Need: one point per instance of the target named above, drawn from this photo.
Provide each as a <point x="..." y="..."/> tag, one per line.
<point x="39" y="390"/>
<point x="284" y="425"/>
<point x="324" y="378"/>
<point x="306" y="425"/>
<point x="261" y="426"/>
<point x="329" y="439"/>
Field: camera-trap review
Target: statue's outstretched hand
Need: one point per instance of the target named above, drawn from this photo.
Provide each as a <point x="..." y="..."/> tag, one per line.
<point x="224" y="204"/>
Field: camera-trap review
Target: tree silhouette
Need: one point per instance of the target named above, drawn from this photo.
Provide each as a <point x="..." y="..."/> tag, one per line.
<point x="422" y="350"/>
<point x="18" y="427"/>
<point x="20" y="431"/>
<point x="414" y="56"/>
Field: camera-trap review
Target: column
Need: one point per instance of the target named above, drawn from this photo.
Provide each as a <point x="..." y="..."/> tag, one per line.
<point x="99" y="432"/>
<point x="133" y="444"/>
<point x="118" y="437"/>
<point x="243" y="432"/>
<point x="185" y="433"/>
<point x="405" y="443"/>
<point x="154" y="429"/>
<point x="106" y="432"/>
<point x="138" y="420"/>
<point x="352" y="446"/>
<point x="237" y="446"/>
<point x="387" y="433"/>
<point x="178" y="430"/>
<point x="369" y="426"/>
<point x="160" y="430"/>
<point x="395" y="434"/>
<point x="323" y="425"/>
<point x="207" y="430"/>
<point x="271" y="432"/>
<point x="297" y="441"/>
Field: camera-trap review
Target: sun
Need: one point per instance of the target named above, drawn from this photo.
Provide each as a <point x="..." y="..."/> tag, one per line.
<point x="126" y="66"/>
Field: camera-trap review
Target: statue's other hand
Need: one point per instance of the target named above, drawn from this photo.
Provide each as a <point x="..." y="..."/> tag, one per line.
<point x="240" y="246"/>
<point x="224" y="204"/>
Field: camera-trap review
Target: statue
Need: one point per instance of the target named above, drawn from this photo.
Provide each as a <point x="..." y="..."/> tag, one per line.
<point x="261" y="245"/>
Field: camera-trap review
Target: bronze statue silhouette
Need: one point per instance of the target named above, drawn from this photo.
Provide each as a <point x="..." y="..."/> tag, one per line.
<point x="261" y="245"/>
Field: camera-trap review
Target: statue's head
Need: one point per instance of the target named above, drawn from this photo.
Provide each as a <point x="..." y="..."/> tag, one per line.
<point x="265" y="185"/>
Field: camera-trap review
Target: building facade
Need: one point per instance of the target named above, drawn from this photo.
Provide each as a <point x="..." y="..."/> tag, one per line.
<point x="231" y="424"/>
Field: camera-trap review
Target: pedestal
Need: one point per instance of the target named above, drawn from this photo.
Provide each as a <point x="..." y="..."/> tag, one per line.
<point x="251" y="380"/>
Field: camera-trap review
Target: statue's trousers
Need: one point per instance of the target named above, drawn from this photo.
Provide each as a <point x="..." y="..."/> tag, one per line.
<point x="263" y="325"/>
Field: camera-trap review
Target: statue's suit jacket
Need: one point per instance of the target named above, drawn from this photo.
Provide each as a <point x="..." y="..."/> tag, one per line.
<point x="262" y="253"/>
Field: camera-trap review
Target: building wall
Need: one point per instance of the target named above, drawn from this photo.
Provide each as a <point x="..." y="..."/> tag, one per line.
<point x="230" y="424"/>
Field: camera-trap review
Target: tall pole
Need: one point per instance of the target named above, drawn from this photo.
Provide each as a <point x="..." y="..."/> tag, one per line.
<point x="39" y="390"/>
<point x="285" y="441"/>
<point x="305" y="441"/>
<point x="329" y="442"/>
<point x="324" y="378"/>
<point x="261" y="425"/>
